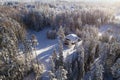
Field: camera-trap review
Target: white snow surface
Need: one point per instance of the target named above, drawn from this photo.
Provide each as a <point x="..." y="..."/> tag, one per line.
<point x="114" y="29"/>
<point x="46" y="47"/>
<point x="117" y="17"/>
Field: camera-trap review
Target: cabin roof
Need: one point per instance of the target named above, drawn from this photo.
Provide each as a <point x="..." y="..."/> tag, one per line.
<point x="72" y="37"/>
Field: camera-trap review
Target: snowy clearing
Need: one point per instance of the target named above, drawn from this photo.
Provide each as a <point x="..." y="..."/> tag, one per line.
<point x="46" y="47"/>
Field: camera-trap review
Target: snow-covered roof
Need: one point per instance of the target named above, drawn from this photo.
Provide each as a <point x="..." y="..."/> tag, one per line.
<point x="72" y="37"/>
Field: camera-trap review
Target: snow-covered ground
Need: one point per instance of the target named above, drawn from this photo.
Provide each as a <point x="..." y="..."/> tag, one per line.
<point x="114" y="28"/>
<point x="46" y="48"/>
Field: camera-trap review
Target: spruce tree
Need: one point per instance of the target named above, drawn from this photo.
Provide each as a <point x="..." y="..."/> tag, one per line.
<point x="61" y="58"/>
<point x="61" y="33"/>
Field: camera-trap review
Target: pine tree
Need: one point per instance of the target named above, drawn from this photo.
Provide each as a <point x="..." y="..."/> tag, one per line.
<point x="81" y="58"/>
<point x="54" y="60"/>
<point x="52" y="64"/>
<point x="61" y="58"/>
<point x="61" y="33"/>
<point x="54" y="55"/>
<point x="81" y="62"/>
<point x="34" y="43"/>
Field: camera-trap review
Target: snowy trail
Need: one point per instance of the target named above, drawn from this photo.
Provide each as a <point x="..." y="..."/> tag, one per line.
<point x="45" y="47"/>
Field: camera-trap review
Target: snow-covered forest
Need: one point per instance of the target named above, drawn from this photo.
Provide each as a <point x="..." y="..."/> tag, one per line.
<point x="59" y="41"/>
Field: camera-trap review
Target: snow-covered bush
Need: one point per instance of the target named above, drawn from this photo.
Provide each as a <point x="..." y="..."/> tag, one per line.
<point x="51" y="34"/>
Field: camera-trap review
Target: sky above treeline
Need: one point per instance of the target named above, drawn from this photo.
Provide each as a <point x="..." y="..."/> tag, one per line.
<point x="64" y="0"/>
